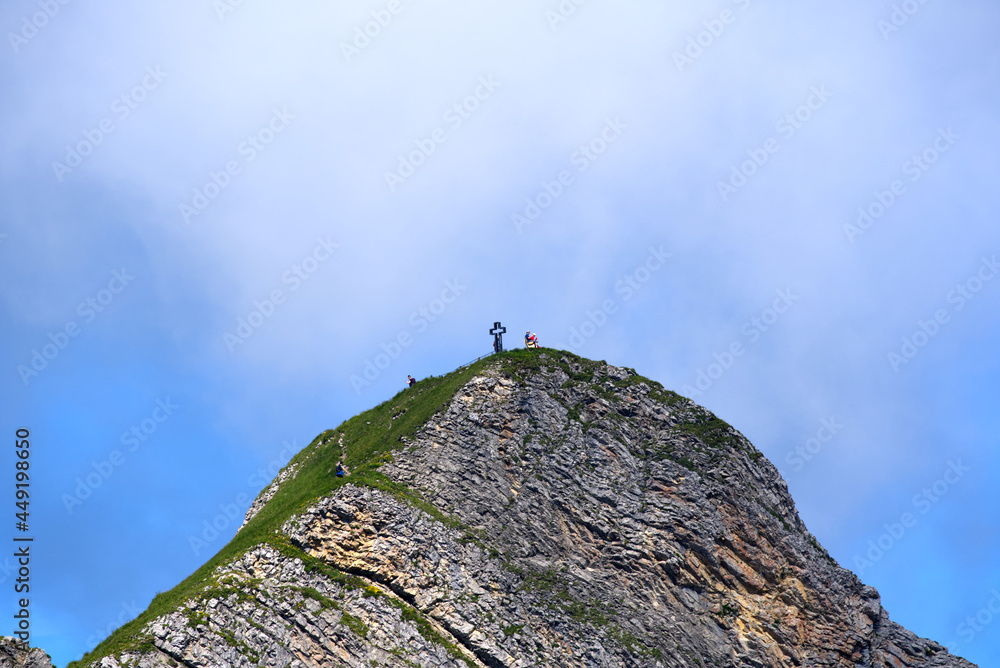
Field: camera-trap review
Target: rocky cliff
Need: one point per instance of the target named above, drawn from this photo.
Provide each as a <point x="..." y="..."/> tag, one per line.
<point x="14" y="654"/>
<point x="534" y="509"/>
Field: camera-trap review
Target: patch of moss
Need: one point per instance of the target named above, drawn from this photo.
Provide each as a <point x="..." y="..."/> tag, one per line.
<point x="536" y="580"/>
<point x="313" y="565"/>
<point x="656" y="392"/>
<point x="234" y="642"/>
<point x="633" y="644"/>
<point x="324" y="602"/>
<point x="586" y="613"/>
<point x="513" y="629"/>
<point x="685" y="462"/>
<point x="197" y="618"/>
<point x="558" y="596"/>
<point x="716" y="434"/>
<point x="412" y="615"/>
<point x="822" y="551"/>
<point x="728" y="610"/>
<point x="574" y="414"/>
<point x="355" y="624"/>
<point x="774" y="513"/>
<point x="711" y="431"/>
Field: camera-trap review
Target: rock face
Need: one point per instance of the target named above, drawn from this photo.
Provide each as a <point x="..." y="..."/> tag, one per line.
<point x="14" y="655"/>
<point x="554" y="512"/>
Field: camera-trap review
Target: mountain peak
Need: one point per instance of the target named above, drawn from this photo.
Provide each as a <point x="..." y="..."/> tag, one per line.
<point x="532" y="509"/>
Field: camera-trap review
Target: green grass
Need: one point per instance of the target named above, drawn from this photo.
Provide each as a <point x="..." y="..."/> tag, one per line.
<point x="727" y="610"/>
<point x="558" y="597"/>
<point x="686" y="463"/>
<point x="512" y="629"/>
<point x="522" y="364"/>
<point x="633" y="644"/>
<point x="776" y="515"/>
<point x="412" y="615"/>
<point x="716" y="434"/>
<point x="710" y="430"/>
<point x="324" y="602"/>
<point x="355" y="624"/>
<point x="547" y="580"/>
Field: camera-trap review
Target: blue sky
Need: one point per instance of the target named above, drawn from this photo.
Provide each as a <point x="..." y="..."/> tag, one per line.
<point x="216" y="215"/>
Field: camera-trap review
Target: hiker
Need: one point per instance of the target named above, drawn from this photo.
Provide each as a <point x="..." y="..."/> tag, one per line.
<point x="530" y="340"/>
<point x="341" y="471"/>
<point x="410" y="380"/>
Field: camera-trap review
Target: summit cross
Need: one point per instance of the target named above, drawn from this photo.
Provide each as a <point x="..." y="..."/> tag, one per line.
<point x="498" y="331"/>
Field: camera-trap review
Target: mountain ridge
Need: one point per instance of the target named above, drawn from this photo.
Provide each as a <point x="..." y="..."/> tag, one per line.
<point x="534" y="508"/>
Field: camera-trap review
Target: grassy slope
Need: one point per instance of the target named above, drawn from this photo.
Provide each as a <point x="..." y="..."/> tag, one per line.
<point x="369" y="439"/>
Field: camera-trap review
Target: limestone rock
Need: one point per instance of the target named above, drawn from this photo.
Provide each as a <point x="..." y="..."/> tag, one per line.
<point x="13" y="654"/>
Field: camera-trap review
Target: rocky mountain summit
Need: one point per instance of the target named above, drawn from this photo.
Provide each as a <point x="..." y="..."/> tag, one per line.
<point x="532" y="509"/>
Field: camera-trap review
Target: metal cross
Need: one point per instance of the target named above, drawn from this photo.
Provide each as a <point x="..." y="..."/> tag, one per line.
<point x="498" y="331"/>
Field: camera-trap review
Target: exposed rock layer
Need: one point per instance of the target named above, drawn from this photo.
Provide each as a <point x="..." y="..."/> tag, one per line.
<point x="14" y="654"/>
<point x="590" y="519"/>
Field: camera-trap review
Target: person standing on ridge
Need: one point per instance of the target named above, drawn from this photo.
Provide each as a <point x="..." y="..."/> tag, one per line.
<point x="410" y="380"/>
